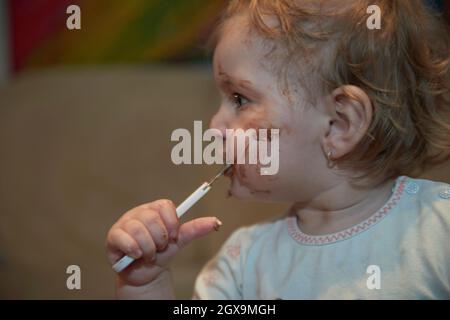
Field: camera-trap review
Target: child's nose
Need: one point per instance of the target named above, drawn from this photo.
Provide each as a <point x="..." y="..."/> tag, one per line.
<point x="220" y="123"/>
<point x="217" y="122"/>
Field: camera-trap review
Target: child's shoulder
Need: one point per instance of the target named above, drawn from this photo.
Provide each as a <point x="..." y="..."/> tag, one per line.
<point x="428" y="190"/>
<point x="430" y="196"/>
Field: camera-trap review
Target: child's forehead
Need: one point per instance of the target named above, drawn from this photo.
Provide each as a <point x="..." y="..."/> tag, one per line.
<point x="238" y="57"/>
<point x="238" y="69"/>
<point x="238" y="43"/>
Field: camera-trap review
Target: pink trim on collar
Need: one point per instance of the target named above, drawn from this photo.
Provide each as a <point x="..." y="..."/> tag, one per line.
<point x="304" y="238"/>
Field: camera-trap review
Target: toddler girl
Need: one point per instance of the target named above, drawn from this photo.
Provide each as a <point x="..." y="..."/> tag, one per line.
<point x="361" y="111"/>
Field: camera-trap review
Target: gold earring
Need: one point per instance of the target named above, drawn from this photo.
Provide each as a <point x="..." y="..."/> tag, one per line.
<point x="329" y="154"/>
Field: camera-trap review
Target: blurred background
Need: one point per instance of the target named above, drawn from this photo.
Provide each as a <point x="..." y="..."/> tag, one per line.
<point x="85" y="123"/>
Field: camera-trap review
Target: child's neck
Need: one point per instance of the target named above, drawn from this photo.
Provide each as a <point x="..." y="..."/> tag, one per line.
<point x="340" y="207"/>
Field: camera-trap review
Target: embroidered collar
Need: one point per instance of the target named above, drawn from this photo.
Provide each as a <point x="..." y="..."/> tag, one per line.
<point x="306" y="239"/>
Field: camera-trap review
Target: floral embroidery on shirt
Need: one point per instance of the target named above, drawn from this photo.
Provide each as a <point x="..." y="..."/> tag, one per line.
<point x="233" y="250"/>
<point x="211" y="277"/>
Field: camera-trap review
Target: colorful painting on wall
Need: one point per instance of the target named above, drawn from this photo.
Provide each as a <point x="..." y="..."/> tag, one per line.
<point x="112" y="31"/>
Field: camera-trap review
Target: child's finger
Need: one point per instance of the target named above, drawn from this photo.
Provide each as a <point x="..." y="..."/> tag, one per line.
<point x="197" y="228"/>
<point x="120" y="243"/>
<point x="131" y="214"/>
<point x="155" y="227"/>
<point x="158" y="231"/>
<point x="169" y="216"/>
<point x="138" y="231"/>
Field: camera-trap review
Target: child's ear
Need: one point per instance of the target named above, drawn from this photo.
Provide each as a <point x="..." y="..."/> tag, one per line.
<point x="349" y="119"/>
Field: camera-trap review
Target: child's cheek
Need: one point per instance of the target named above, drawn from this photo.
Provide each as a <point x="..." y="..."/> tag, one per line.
<point x="249" y="175"/>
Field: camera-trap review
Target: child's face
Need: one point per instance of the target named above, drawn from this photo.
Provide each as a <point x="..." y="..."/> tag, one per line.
<point x="251" y="98"/>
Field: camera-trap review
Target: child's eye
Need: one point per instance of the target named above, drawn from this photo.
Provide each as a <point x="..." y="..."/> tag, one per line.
<point x="239" y="100"/>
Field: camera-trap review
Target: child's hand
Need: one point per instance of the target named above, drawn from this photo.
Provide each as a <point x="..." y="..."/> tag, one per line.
<point x="151" y="234"/>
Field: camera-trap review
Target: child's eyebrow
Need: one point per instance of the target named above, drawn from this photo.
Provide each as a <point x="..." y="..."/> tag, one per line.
<point x="230" y="81"/>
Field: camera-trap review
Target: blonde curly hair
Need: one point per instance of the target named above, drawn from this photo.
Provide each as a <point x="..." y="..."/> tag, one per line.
<point x="403" y="67"/>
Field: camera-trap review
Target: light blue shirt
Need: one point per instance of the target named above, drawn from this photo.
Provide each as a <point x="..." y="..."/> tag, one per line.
<point x="401" y="252"/>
